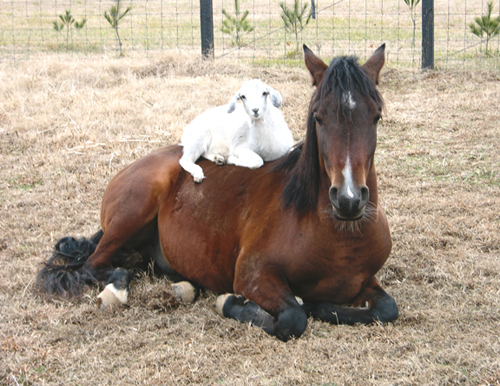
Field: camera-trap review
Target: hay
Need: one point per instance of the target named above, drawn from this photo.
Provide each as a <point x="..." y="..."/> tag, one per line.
<point x="67" y="127"/>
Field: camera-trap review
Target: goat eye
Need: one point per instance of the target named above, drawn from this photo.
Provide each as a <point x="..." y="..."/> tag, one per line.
<point x="265" y="93"/>
<point x="242" y="97"/>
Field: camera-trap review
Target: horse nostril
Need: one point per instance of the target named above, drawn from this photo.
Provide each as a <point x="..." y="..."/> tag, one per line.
<point x="334" y="197"/>
<point x="365" y="196"/>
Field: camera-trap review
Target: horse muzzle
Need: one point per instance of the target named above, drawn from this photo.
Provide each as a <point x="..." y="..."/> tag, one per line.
<point x="348" y="203"/>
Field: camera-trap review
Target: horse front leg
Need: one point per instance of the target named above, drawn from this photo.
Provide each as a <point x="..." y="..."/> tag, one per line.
<point x="372" y="305"/>
<point x="275" y="309"/>
<point x="286" y="324"/>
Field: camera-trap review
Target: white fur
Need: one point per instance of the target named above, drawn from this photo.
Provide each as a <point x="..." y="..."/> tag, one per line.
<point x="184" y="291"/>
<point x="111" y="296"/>
<point x="246" y="134"/>
<point x="349" y="102"/>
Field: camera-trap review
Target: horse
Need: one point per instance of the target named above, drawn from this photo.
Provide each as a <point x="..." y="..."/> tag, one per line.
<point x="300" y="237"/>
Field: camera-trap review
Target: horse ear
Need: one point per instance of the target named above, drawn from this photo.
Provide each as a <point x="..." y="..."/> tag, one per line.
<point x="375" y="63"/>
<point x="275" y="97"/>
<point x="315" y="65"/>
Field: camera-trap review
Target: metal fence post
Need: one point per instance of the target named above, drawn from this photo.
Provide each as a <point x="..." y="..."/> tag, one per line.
<point x="427" y="34"/>
<point x="207" y="28"/>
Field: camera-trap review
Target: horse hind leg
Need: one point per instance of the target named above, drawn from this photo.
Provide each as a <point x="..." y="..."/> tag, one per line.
<point x="90" y="261"/>
<point x="133" y="251"/>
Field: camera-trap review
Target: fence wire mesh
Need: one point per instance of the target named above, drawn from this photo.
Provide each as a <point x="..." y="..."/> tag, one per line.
<point x="337" y="27"/>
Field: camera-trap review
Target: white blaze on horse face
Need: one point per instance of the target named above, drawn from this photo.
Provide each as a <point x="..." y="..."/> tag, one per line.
<point x="347" y="173"/>
<point x="348" y="101"/>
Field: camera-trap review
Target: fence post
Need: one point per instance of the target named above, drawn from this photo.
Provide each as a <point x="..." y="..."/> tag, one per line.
<point x="427" y="34"/>
<point x="207" y="28"/>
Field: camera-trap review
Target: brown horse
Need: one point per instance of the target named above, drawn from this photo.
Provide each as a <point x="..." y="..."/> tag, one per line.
<point x="308" y="225"/>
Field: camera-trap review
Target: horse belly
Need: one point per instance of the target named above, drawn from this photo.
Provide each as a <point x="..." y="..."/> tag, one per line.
<point x="198" y="232"/>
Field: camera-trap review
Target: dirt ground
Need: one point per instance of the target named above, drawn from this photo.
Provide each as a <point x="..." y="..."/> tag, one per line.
<point x="67" y="126"/>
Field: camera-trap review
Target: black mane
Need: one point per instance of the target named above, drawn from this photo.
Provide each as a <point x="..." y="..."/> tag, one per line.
<point x="344" y="75"/>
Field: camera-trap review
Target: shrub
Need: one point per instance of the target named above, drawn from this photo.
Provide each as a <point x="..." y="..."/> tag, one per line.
<point x="68" y="21"/>
<point x="113" y="16"/>
<point x="236" y="25"/>
<point x="486" y="25"/>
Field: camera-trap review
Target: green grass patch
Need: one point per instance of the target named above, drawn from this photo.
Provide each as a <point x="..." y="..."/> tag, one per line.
<point x="350" y="27"/>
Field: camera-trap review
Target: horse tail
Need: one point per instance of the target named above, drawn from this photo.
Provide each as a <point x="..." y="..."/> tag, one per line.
<point x="61" y="274"/>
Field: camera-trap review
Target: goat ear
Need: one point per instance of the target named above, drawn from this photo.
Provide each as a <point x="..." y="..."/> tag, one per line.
<point x="275" y="97"/>
<point x="315" y="66"/>
<point x="375" y="63"/>
<point x="232" y="103"/>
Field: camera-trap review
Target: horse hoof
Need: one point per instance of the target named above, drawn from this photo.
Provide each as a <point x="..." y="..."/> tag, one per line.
<point x="219" y="303"/>
<point x="116" y="291"/>
<point x="110" y="296"/>
<point x="184" y="291"/>
<point x="227" y="299"/>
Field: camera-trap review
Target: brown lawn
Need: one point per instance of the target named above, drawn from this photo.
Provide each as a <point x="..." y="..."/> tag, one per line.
<point x="67" y="126"/>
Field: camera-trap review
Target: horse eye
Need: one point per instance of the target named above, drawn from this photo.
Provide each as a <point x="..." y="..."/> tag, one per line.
<point x="376" y="119"/>
<point x="318" y="120"/>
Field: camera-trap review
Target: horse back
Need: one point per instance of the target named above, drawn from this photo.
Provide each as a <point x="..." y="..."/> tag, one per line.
<point x="135" y="192"/>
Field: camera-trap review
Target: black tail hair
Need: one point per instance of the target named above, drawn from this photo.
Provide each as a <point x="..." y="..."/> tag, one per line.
<point x="60" y="275"/>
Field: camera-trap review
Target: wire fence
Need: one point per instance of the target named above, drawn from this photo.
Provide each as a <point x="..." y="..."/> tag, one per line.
<point x="337" y="27"/>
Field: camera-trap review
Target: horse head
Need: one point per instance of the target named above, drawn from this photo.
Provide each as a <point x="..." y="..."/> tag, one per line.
<point x="343" y="114"/>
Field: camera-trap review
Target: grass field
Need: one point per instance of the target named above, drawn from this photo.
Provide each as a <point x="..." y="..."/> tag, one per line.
<point x="67" y="126"/>
<point x="344" y="26"/>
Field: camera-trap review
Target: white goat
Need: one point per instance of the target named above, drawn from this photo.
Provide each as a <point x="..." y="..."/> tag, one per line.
<point x="245" y="134"/>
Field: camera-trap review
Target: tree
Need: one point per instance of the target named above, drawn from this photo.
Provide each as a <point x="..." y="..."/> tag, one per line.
<point x="236" y="25"/>
<point x="113" y="16"/>
<point x="412" y="4"/>
<point x="486" y="25"/>
<point x="295" y="20"/>
<point x="67" y="20"/>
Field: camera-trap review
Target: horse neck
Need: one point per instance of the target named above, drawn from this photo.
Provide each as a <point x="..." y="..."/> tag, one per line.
<point x="372" y="184"/>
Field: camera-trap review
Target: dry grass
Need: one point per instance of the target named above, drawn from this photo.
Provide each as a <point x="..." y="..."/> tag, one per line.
<point x="66" y="127"/>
